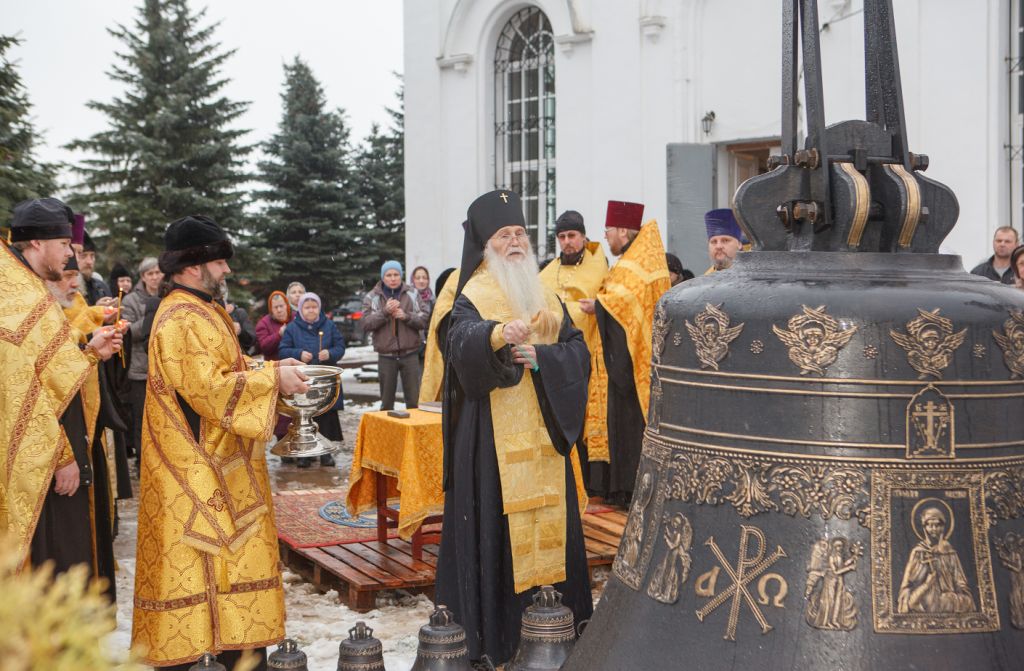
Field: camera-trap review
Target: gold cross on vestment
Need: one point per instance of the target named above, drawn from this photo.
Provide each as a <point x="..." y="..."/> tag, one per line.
<point x="503" y="196"/>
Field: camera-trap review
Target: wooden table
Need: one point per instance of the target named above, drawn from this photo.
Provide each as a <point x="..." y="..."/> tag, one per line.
<point x="403" y="458"/>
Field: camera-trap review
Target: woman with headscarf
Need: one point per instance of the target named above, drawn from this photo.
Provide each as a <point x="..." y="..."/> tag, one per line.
<point x="312" y="338"/>
<point x="420" y="279"/>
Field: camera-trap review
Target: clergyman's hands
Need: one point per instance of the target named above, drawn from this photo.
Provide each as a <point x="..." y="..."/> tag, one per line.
<point x="515" y="332"/>
<point x="289" y="362"/>
<point x="587" y="305"/>
<point x="104" y="301"/>
<point x="106" y="342"/>
<point x="292" y="380"/>
<point x="66" y="479"/>
<point x="524" y="355"/>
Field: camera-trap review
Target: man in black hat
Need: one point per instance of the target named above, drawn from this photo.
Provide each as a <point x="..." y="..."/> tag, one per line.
<point x="515" y="393"/>
<point x="95" y="288"/>
<point x="207" y="575"/>
<point x="46" y="506"/>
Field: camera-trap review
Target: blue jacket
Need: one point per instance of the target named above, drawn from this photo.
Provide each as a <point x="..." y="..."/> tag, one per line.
<point x="301" y="336"/>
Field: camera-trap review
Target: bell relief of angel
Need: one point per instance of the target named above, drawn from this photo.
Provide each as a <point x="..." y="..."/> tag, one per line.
<point x="1011" y="340"/>
<point x="829" y="604"/>
<point x="814" y="339"/>
<point x="711" y="335"/>
<point x="929" y="342"/>
<point x="1011" y="553"/>
<point x="675" y="565"/>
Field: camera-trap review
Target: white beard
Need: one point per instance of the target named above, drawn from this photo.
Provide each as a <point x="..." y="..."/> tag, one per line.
<point x="63" y="299"/>
<point x="520" y="282"/>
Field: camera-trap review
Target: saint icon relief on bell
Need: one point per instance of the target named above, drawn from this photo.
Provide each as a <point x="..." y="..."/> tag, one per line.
<point x="830" y="605"/>
<point x="931" y="567"/>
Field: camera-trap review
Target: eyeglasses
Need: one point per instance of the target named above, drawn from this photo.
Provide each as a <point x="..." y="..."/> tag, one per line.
<point x="506" y="238"/>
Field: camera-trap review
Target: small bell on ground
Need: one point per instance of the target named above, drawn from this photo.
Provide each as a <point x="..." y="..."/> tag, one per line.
<point x="548" y="634"/>
<point x="442" y="644"/>
<point x="360" y="651"/>
<point x="207" y="663"/>
<point x="288" y="656"/>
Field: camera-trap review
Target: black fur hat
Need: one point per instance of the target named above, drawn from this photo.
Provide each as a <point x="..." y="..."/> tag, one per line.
<point x="191" y="241"/>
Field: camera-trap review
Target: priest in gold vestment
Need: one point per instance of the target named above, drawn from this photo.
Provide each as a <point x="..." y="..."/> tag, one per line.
<point x="207" y="576"/>
<point x="576" y="274"/>
<point x="625" y="314"/>
<point x="515" y="394"/>
<point x="433" y="363"/>
<point x="43" y="423"/>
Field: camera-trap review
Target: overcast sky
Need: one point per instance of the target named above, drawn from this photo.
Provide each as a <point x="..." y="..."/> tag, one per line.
<point x="353" y="46"/>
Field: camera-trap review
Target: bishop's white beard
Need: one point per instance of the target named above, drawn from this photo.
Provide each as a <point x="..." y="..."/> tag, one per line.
<point x="519" y="280"/>
<point x="65" y="300"/>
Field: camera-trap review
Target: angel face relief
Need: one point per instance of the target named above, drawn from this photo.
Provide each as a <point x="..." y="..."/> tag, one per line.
<point x="712" y="334"/>
<point x="929" y="342"/>
<point x="1011" y="340"/>
<point x="814" y="339"/>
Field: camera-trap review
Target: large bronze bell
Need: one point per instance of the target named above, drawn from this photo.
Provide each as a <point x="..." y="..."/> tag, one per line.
<point x="442" y="644"/>
<point x="288" y="656"/>
<point x="207" y="663"/>
<point x="547" y="636"/>
<point x="360" y="651"/>
<point x="832" y="473"/>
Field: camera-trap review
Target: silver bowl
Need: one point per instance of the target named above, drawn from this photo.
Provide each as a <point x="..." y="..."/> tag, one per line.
<point x="303" y="439"/>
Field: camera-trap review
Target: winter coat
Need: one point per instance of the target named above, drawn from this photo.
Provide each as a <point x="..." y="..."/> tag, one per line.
<point x="986" y="269"/>
<point x="301" y="336"/>
<point x="139" y="308"/>
<point x="268" y="333"/>
<point x="394" y="337"/>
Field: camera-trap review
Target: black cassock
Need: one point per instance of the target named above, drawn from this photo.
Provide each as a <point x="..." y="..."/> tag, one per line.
<point x="474" y="571"/>
<point x="614" y="481"/>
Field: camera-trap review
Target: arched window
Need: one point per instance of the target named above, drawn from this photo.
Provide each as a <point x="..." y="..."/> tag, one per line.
<point x="524" y="123"/>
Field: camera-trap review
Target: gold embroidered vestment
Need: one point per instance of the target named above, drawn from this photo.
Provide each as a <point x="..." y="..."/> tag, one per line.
<point x="207" y="574"/>
<point x="433" y="363"/>
<point x="572" y="283"/>
<point x="531" y="470"/>
<point x="629" y="294"/>
<point x="42" y="370"/>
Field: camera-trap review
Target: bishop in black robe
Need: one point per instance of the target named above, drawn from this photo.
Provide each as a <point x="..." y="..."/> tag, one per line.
<point x="477" y="572"/>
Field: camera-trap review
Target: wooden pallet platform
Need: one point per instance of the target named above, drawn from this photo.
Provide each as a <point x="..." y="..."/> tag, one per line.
<point x="359" y="570"/>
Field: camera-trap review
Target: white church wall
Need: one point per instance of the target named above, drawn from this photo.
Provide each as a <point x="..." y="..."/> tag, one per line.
<point x="634" y="76"/>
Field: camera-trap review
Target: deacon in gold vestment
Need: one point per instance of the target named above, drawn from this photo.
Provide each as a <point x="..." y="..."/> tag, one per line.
<point x="514" y="402"/>
<point x="625" y="314"/>
<point x="576" y="274"/>
<point x="207" y="573"/>
<point x="42" y="423"/>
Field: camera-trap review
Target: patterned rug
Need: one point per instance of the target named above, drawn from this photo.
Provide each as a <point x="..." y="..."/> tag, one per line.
<point x="301" y="525"/>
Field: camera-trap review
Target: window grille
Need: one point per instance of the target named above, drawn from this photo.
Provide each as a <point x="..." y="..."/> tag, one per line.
<point x="524" y="123"/>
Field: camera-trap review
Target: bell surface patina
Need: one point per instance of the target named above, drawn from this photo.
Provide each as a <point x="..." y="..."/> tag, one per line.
<point x="547" y="634"/>
<point x="833" y="467"/>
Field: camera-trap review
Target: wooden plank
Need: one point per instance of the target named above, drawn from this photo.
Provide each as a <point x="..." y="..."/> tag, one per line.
<point x="349" y="574"/>
<point x="599" y="548"/>
<point x="376" y="577"/>
<point x="603" y="522"/>
<point x="601" y="535"/>
<point x="429" y="558"/>
<point x="406" y="560"/>
<point x="371" y="554"/>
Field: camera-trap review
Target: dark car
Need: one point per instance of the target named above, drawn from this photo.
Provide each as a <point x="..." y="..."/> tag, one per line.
<point x="348" y="318"/>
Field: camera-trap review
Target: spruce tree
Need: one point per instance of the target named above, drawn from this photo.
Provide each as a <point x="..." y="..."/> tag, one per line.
<point x="381" y="180"/>
<point x="170" y="148"/>
<point x="21" y="175"/>
<point x="311" y="225"/>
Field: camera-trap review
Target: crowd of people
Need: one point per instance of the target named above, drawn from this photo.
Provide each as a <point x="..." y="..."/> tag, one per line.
<point x="543" y="375"/>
